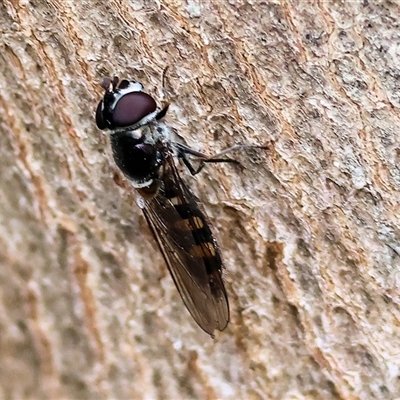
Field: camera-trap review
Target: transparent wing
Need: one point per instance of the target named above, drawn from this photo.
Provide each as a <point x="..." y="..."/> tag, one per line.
<point x="192" y="256"/>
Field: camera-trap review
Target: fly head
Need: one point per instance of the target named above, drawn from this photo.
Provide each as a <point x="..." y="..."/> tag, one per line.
<point x="124" y="105"/>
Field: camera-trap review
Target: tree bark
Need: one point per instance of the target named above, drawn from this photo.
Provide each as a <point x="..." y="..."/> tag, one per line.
<point x="309" y="231"/>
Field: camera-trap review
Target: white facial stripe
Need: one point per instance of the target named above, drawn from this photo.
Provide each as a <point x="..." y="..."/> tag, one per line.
<point x="149" y="117"/>
<point x="132" y="87"/>
<point x="139" y="185"/>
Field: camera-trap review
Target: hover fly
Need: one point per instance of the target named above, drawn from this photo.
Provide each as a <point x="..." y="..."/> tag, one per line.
<point x="143" y="149"/>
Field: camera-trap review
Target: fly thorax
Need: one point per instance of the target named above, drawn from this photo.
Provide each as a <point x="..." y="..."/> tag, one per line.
<point x="162" y="133"/>
<point x="136" y="156"/>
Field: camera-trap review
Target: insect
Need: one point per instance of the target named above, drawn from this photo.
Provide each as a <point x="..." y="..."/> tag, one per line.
<point x="145" y="152"/>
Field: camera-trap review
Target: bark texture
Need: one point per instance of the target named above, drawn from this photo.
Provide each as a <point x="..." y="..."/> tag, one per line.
<point x="309" y="231"/>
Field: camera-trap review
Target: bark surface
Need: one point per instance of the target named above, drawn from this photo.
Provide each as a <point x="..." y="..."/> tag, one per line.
<point x="309" y="231"/>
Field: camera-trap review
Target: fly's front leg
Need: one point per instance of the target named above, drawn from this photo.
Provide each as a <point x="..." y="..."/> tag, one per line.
<point x="183" y="152"/>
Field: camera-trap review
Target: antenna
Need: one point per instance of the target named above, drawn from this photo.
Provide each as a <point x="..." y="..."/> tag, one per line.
<point x="164" y="95"/>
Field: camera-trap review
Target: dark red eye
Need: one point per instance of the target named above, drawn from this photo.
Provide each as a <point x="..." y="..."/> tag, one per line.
<point x="131" y="108"/>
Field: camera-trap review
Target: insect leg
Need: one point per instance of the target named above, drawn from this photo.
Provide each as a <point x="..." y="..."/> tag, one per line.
<point x="184" y="151"/>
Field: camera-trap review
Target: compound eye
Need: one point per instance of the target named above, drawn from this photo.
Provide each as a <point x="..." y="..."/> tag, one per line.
<point x="131" y="108"/>
<point x="101" y="124"/>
